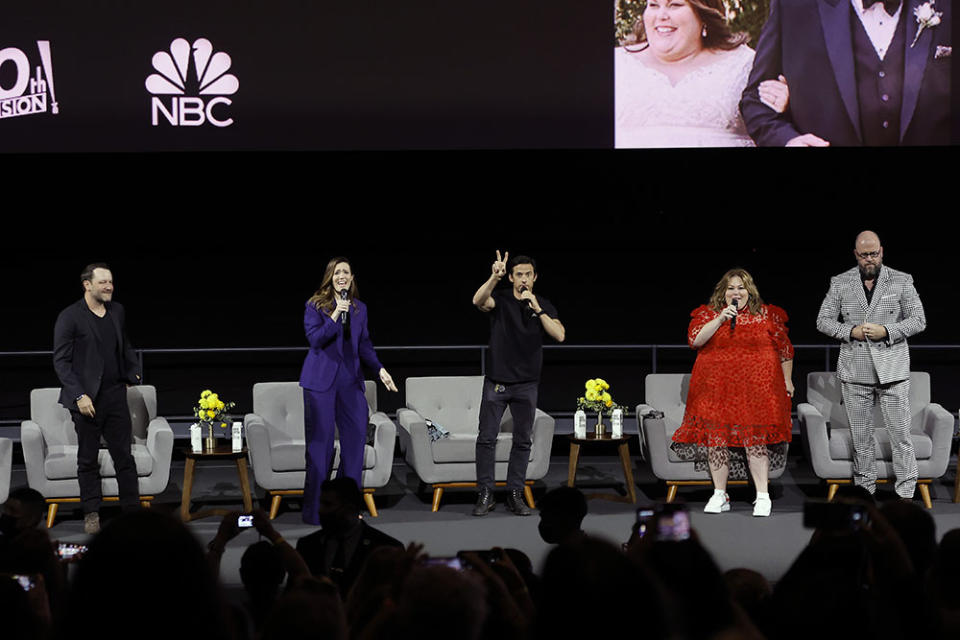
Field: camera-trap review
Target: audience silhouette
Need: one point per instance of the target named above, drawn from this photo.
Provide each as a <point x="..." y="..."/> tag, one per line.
<point x="146" y="575"/>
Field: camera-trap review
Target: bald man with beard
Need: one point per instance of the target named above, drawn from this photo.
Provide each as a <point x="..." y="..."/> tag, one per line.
<point x="872" y="310"/>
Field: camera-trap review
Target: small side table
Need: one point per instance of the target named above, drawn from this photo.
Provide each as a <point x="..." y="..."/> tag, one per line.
<point x="623" y="446"/>
<point x="222" y="452"/>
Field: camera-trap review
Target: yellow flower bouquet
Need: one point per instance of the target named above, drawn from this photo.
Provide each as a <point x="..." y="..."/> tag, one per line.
<point x="597" y="398"/>
<point x="212" y="411"/>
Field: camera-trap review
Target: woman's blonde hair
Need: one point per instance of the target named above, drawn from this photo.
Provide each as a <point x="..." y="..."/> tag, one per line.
<point x="323" y="298"/>
<point x="718" y="300"/>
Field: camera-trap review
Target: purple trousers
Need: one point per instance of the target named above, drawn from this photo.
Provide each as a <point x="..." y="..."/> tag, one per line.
<point x="343" y="408"/>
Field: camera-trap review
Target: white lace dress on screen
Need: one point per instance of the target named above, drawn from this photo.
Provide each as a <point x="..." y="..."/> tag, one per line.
<point x="700" y="110"/>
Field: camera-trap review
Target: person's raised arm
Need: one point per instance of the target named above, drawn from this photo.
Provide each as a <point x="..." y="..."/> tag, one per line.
<point x="710" y="328"/>
<point x="293" y="562"/>
<point x="483" y="299"/>
<point x="551" y="325"/>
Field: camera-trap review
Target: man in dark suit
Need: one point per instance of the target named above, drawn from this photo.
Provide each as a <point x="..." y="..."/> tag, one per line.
<point x="860" y="72"/>
<point x="94" y="360"/>
<point x="340" y="549"/>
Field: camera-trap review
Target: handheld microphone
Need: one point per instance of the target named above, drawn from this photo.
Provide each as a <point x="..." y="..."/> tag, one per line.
<point x="344" y="317"/>
<point x="733" y="320"/>
<point x="533" y="314"/>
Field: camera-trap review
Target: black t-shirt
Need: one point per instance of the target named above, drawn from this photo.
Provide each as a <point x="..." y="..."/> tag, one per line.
<point x="109" y="350"/>
<point x="516" y="338"/>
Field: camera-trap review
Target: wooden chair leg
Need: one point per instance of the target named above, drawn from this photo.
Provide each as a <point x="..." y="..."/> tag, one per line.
<point x="956" y="485"/>
<point x="832" y="491"/>
<point x="528" y="494"/>
<point x="437" y="494"/>
<point x="371" y="505"/>
<point x="671" y="492"/>
<point x="274" y="505"/>
<point x="925" y="494"/>
<point x="51" y="514"/>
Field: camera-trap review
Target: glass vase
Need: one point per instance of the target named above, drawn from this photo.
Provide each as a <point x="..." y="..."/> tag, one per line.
<point x="210" y="443"/>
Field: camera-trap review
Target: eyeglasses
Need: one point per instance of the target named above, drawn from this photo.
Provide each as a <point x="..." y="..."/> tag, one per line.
<point x="866" y="255"/>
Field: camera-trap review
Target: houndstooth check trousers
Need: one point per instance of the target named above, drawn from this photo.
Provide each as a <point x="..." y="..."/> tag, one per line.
<point x="894" y="400"/>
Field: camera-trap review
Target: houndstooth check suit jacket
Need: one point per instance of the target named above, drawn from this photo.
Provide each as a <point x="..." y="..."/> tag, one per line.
<point x="895" y="305"/>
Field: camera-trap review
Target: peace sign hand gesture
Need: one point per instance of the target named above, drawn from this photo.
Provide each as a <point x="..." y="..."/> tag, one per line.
<point x="500" y="266"/>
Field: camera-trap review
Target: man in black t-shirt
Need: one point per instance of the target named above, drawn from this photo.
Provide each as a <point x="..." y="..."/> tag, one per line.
<point x="95" y="362"/>
<point x="518" y="320"/>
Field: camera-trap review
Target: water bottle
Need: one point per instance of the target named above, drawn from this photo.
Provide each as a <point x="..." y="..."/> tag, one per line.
<point x="237" y="433"/>
<point x="196" y="438"/>
<point x="617" y="423"/>
<point x="580" y="424"/>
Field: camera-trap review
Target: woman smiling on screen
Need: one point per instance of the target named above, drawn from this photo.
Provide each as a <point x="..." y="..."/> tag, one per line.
<point x="679" y="85"/>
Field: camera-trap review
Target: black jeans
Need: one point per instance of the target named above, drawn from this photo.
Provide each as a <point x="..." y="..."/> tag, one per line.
<point x="522" y="400"/>
<point x="112" y="422"/>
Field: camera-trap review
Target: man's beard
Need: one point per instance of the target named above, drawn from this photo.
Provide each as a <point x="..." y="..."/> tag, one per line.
<point x="872" y="274"/>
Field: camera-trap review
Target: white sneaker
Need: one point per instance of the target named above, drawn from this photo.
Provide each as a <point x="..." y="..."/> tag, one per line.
<point x="718" y="503"/>
<point x="762" y="505"/>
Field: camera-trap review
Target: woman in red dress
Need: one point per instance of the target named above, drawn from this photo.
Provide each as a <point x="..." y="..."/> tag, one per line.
<point x="738" y="404"/>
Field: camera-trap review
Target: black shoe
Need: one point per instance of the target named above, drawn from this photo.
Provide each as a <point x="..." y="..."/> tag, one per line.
<point x="485" y="502"/>
<point x="516" y="503"/>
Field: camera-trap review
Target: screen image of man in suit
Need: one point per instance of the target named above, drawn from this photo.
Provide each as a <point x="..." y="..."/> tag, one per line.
<point x="872" y="309"/>
<point x="860" y="72"/>
<point x="95" y="362"/>
<point x="342" y="546"/>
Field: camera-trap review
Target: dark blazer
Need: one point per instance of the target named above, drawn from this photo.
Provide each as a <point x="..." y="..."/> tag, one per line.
<point x="313" y="548"/>
<point x="811" y="43"/>
<point x="326" y="347"/>
<point x="76" y="352"/>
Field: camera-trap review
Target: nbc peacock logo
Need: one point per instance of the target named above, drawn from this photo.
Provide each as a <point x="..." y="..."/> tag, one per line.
<point x="190" y="85"/>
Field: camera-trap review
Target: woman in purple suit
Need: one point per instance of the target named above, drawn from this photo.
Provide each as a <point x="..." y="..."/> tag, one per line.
<point x="336" y="326"/>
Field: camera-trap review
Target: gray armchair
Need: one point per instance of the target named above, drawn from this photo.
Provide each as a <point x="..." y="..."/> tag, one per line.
<point x="277" y="444"/>
<point x="667" y="393"/>
<point x="825" y="432"/>
<point x="454" y="404"/>
<point x="49" y="441"/>
<point x="6" y="467"/>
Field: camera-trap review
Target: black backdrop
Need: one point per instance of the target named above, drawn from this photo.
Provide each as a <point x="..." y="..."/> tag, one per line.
<point x="627" y="245"/>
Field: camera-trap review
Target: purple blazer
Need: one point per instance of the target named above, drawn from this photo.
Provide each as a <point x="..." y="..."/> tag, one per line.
<point x="326" y="347"/>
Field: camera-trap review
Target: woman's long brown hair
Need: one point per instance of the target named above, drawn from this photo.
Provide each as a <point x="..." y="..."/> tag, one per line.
<point x="323" y="298"/>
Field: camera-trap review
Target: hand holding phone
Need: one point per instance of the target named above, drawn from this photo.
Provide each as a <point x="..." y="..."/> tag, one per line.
<point x="487" y="556"/>
<point x="451" y="561"/>
<point x="67" y="551"/>
<point x="673" y="522"/>
<point x="835" y="516"/>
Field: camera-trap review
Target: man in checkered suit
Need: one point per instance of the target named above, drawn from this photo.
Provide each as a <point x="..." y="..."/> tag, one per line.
<point x="872" y="309"/>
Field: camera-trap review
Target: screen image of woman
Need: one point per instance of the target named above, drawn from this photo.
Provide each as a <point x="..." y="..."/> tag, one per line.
<point x="679" y="77"/>
<point x="335" y="323"/>
<point x="737" y="415"/>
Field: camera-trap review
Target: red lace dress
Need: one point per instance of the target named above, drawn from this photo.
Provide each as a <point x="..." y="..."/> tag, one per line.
<point x="737" y="396"/>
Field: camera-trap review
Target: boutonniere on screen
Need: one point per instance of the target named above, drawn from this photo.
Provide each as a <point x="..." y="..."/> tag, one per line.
<point x="926" y="16"/>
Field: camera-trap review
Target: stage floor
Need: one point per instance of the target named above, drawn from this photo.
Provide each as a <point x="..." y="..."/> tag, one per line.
<point x="736" y="539"/>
